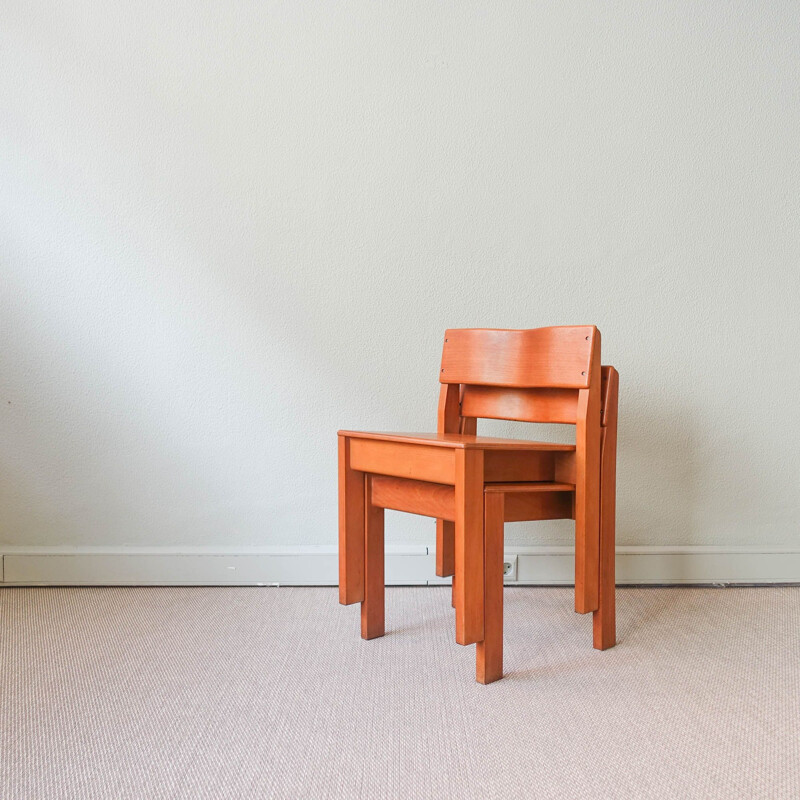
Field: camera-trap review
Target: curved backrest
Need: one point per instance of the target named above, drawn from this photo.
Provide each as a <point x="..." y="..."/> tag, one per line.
<point x="536" y="358"/>
<point x="535" y="375"/>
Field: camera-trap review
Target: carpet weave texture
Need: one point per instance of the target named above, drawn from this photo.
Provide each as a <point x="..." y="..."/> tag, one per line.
<point x="271" y="693"/>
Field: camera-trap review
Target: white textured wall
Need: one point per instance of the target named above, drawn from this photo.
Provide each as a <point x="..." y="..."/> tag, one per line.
<point x="230" y="228"/>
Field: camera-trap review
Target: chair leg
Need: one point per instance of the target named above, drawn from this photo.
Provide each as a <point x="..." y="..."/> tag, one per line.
<point x="489" y="652"/>
<point x="587" y="551"/>
<point x="445" y="548"/>
<point x="469" y="545"/>
<point x="446" y="553"/>
<point x="587" y="499"/>
<point x="373" y="607"/>
<point x="604" y="619"/>
<point x="454" y="590"/>
<point x="351" y="528"/>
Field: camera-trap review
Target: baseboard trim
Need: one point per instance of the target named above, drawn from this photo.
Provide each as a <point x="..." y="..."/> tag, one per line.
<point x="405" y="565"/>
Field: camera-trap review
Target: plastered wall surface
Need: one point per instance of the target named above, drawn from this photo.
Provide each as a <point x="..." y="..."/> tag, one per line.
<point x="228" y="229"/>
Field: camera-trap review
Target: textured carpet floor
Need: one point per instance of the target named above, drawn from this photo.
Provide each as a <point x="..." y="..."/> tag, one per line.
<point x="270" y="693"/>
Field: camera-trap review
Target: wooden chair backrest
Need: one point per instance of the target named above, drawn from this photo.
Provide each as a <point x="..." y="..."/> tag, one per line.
<point x="538" y="375"/>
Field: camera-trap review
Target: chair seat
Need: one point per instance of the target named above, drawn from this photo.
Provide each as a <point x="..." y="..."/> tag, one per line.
<point x="461" y="440"/>
<point x="432" y="456"/>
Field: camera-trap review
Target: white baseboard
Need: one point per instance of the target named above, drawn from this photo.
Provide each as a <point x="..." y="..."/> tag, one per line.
<point x="407" y="566"/>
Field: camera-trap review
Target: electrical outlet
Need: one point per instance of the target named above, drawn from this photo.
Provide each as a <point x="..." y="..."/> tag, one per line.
<point x="509" y="568"/>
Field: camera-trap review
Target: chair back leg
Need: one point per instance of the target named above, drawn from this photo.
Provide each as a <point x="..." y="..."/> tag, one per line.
<point x="604" y="619"/>
<point x="489" y="652"/>
<point x="445" y="548"/>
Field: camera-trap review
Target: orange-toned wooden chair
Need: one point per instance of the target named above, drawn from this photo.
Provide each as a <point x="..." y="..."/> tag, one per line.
<point x="474" y="484"/>
<point x="512" y="502"/>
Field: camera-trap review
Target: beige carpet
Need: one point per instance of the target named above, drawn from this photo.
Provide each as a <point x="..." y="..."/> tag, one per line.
<point x="270" y="693"/>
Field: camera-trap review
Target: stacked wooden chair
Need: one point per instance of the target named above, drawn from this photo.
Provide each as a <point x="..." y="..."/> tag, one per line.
<point x="472" y="484"/>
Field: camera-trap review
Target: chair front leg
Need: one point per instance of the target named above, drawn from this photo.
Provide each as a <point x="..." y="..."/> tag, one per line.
<point x="351" y="528"/>
<point x="469" y="545"/>
<point x="373" y="607"/>
<point x="489" y="652"/>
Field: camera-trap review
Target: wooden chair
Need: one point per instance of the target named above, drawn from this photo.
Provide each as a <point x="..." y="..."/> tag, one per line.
<point x="474" y="484"/>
